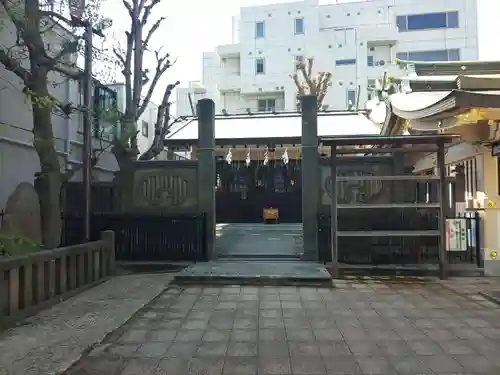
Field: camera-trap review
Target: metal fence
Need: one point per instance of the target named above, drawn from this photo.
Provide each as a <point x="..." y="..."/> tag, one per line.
<point x="142" y="237"/>
<point x="412" y="250"/>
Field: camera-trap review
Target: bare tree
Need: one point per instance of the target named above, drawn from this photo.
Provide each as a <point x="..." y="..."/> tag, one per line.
<point x="137" y="78"/>
<point x="35" y="61"/>
<point x="308" y="85"/>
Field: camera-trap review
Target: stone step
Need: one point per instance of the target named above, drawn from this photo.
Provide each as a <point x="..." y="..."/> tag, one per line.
<point x="256" y="272"/>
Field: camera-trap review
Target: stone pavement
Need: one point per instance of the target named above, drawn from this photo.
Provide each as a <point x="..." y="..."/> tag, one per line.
<point x="367" y="326"/>
<point x="259" y="240"/>
<point x="51" y="341"/>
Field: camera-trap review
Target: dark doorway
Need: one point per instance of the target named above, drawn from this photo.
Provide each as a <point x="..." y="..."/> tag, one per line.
<point x="244" y="191"/>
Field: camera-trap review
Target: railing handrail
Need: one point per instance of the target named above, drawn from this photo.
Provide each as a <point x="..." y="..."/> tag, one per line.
<point x="38" y="280"/>
<point x="45" y="255"/>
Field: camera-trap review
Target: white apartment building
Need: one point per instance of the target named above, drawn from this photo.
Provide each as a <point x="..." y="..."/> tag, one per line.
<point x="356" y="41"/>
<point x="146" y="122"/>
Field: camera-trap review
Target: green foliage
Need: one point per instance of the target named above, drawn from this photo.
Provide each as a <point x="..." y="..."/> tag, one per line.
<point x="38" y="100"/>
<point x="11" y="245"/>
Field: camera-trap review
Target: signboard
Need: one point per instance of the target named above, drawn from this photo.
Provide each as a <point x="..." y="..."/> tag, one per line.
<point x="495" y="149"/>
<point x="456" y="234"/>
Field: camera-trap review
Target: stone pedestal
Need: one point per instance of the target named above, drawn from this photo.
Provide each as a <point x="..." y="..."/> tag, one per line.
<point x="310" y="177"/>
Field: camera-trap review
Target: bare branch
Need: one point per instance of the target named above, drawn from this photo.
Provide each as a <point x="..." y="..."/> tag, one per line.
<point x="128" y="6"/>
<point x="300" y="87"/>
<point x="54" y="15"/>
<point x="162" y="64"/>
<point x="68" y="48"/>
<point x="13" y="15"/>
<point x="147" y="11"/>
<point x="14" y="66"/>
<point x="119" y="56"/>
<point x="305" y="70"/>
<point x="151" y="31"/>
<point x="161" y="125"/>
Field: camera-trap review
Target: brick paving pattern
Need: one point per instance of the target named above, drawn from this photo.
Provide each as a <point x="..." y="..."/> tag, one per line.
<point x="369" y="326"/>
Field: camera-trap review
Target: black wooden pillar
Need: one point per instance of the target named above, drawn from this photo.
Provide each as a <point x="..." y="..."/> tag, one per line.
<point x="333" y="212"/>
<point x="442" y="194"/>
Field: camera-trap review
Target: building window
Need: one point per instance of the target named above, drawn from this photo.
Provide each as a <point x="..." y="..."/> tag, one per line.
<point x="369" y="61"/>
<point x="298" y="60"/>
<point x="259" y="66"/>
<point x="351" y="98"/>
<point x="105" y="110"/>
<point x="437" y="55"/>
<point x="299" y="26"/>
<point x="428" y="21"/>
<point x="346" y="62"/>
<point x="259" y="29"/>
<point x="266" y="105"/>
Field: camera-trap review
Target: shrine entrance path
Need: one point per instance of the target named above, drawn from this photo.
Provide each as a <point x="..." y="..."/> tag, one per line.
<point x="259" y="241"/>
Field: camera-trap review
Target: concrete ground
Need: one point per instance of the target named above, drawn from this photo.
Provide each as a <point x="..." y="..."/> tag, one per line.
<point x="259" y="240"/>
<point x="365" y="326"/>
<point x="51" y="341"/>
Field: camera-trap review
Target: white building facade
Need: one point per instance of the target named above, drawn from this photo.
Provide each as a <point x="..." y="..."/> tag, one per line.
<point x="357" y="42"/>
<point x="19" y="160"/>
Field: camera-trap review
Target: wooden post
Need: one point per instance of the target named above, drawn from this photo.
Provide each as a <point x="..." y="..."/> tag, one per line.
<point x="108" y="236"/>
<point x="333" y="212"/>
<point x="443" y="256"/>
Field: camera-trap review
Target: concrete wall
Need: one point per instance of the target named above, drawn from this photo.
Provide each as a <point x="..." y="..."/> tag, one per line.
<point x="333" y="32"/>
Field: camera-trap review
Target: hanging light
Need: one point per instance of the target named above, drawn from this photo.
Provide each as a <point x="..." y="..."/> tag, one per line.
<point x="248" y="160"/>
<point x="284" y="157"/>
<point x="229" y="156"/>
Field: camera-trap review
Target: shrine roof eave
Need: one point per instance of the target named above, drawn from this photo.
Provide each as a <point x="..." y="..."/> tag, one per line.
<point x="395" y="140"/>
<point x="441" y="104"/>
<point x="236" y="141"/>
<point x="272" y="129"/>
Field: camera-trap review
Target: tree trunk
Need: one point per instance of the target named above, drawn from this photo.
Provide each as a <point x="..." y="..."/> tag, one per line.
<point x="49" y="180"/>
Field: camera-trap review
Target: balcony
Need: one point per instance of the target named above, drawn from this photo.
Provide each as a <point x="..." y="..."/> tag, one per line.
<point x="230" y="82"/>
<point x="384" y="35"/>
<point x="228" y="50"/>
<point x="377" y="71"/>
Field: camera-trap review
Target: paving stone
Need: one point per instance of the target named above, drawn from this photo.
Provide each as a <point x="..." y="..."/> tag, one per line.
<point x="216" y="349"/>
<point x="384" y="327"/>
<point x="274" y="366"/>
<point x="242" y="349"/>
<point x="153" y="350"/>
<point x="374" y="365"/>
<point x="206" y="366"/>
<point x="182" y="350"/>
<point x="216" y="335"/>
<point x="140" y="366"/>
<point x="172" y="366"/>
<point x="240" y="366"/>
<point x="473" y="363"/>
<point x="243" y="335"/>
<point x="307" y="365"/>
<point x="189" y="335"/>
<point x="443" y="364"/>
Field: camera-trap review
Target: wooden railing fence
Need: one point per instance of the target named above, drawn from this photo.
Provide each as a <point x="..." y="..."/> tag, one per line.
<point x="32" y="282"/>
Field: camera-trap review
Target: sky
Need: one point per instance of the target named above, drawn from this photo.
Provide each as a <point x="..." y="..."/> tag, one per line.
<point x="196" y="26"/>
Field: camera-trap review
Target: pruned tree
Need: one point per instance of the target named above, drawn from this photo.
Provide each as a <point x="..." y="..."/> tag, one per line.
<point x="141" y="82"/>
<point x="35" y="58"/>
<point x="310" y="85"/>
